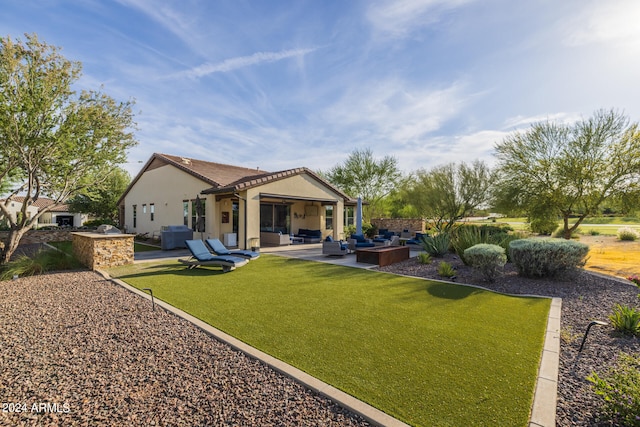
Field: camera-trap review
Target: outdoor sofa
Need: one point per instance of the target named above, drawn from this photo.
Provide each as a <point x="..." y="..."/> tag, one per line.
<point x="309" y="236"/>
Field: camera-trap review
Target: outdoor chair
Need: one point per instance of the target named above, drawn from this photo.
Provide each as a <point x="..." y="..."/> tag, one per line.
<point x="336" y="248"/>
<point x="219" y="248"/>
<point x="200" y="256"/>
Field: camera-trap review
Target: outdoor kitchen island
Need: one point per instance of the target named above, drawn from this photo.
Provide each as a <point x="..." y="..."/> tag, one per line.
<point x="382" y="255"/>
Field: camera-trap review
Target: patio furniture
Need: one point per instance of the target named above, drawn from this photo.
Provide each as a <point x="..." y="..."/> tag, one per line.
<point x="269" y="238"/>
<point x="220" y="249"/>
<point x="382" y="255"/>
<point x="359" y="241"/>
<point x="335" y="248"/>
<point x="200" y="256"/>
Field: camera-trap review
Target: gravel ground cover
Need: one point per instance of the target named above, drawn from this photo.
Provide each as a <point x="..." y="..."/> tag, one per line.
<point x="78" y="350"/>
<point x="585" y="297"/>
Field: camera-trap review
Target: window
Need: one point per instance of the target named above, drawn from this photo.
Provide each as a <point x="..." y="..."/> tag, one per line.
<point x="349" y="215"/>
<point x="328" y="217"/>
<point x="235" y="214"/>
<point x="194" y="217"/>
<point x="135" y="215"/>
<point x="152" y="209"/>
<point x="275" y="218"/>
<point x="185" y="212"/>
<point x="144" y="208"/>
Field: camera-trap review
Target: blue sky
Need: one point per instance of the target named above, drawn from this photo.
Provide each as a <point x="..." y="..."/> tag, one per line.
<point x="282" y="84"/>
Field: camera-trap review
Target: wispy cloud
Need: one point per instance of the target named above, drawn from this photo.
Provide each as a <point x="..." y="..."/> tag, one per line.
<point x="245" y="61"/>
<point x="603" y="22"/>
<point x="398" y="18"/>
<point x="519" y="122"/>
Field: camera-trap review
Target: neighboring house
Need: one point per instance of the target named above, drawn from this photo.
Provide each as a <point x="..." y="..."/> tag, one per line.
<point x="56" y="216"/>
<point x="239" y="204"/>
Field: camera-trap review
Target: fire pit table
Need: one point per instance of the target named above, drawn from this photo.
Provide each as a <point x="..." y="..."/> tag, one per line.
<point x="382" y="255"/>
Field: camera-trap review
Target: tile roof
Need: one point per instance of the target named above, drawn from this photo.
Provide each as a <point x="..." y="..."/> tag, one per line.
<point x="257" y="180"/>
<point x="217" y="174"/>
<point x="42" y="203"/>
<point x="221" y="177"/>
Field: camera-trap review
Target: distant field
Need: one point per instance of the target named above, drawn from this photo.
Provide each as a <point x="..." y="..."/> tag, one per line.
<point x="597" y="225"/>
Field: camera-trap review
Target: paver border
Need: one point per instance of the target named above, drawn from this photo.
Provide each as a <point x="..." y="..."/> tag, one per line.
<point x="366" y="411"/>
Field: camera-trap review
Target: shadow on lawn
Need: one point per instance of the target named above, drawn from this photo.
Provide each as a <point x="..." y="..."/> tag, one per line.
<point x="453" y="292"/>
<point x="174" y="270"/>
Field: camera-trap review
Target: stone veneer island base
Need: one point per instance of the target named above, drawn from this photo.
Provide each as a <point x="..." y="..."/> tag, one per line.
<point x="97" y="250"/>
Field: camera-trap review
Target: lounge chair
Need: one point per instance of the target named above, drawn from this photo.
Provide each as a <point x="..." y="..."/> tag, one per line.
<point x="200" y="256"/>
<point x="220" y="249"/>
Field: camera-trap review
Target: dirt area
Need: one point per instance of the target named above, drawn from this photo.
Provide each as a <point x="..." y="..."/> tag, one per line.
<point x="609" y="255"/>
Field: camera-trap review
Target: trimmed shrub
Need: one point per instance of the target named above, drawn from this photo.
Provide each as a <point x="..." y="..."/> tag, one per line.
<point x="627" y="234"/>
<point x="547" y="257"/>
<point x="620" y="389"/>
<point x="543" y="226"/>
<point x="467" y="236"/>
<point x="436" y="245"/>
<point x="487" y="259"/>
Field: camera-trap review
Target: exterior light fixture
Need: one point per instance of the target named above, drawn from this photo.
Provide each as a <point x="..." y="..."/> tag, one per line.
<point x="593" y="323"/>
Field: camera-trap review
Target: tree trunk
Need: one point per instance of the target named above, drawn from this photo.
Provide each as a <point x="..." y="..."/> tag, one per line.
<point x="568" y="231"/>
<point x="11" y="244"/>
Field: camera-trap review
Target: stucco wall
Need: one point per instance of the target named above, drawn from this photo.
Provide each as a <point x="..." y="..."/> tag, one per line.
<point x="301" y="186"/>
<point x="166" y="187"/>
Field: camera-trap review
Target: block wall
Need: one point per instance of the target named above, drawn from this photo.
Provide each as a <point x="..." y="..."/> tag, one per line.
<point x="400" y="224"/>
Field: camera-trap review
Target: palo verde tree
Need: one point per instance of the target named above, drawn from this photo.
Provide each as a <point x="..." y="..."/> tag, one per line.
<point x="362" y="175"/>
<point x="570" y="169"/>
<point x="449" y="192"/>
<point x="53" y="142"/>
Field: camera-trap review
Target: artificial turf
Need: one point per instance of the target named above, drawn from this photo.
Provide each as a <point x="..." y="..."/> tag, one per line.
<point x="425" y="352"/>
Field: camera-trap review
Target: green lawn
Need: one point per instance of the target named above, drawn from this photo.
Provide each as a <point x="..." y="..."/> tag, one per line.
<point x="425" y="352"/>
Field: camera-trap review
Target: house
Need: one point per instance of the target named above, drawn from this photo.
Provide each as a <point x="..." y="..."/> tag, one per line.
<point x="240" y="206"/>
<point x="56" y="216"/>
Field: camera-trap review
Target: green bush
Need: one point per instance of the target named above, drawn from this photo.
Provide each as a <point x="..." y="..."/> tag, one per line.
<point x="547" y="257"/>
<point x="487" y="259"/>
<point x="627" y="234"/>
<point x="446" y="270"/>
<point x="94" y="223"/>
<point x="543" y="226"/>
<point x="41" y="262"/>
<point x="620" y="389"/>
<point x="436" y="245"/>
<point x="467" y="236"/>
<point x="424" y="258"/>
<point x="626" y="320"/>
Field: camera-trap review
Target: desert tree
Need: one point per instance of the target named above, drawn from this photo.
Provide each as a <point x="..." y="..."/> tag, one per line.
<point x="362" y="175"/>
<point x="54" y="142"/>
<point x="570" y="169"/>
<point x="447" y="193"/>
